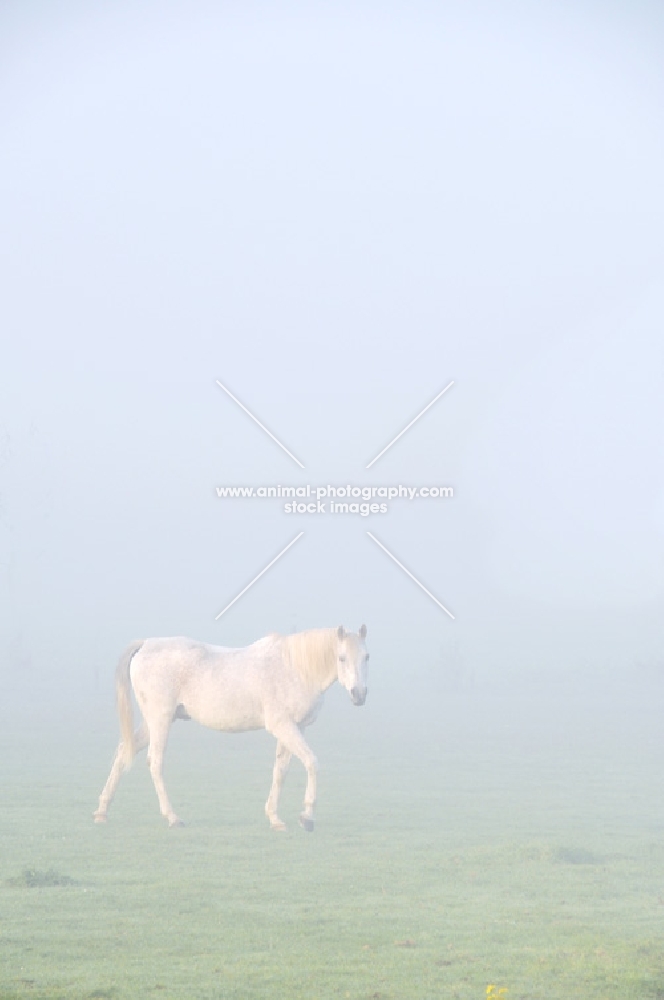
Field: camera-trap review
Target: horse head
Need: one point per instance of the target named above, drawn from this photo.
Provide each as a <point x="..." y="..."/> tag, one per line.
<point x="352" y="663"/>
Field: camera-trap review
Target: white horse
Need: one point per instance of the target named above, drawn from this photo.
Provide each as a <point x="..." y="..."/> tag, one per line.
<point x="275" y="684"/>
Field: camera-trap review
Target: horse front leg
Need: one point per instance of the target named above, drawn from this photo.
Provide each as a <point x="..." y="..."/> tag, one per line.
<point x="281" y="762"/>
<point x="288" y="734"/>
<point x="117" y="769"/>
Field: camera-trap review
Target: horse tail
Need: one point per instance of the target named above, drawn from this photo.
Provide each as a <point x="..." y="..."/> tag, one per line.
<point x="123" y="698"/>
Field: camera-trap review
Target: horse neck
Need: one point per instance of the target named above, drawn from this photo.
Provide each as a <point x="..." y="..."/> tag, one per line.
<point x="329" y="679"/>
<point x="331" y="672"/>
<point x="325" y="674"/>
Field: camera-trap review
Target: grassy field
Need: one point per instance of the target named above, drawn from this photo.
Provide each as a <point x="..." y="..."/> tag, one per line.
<point x="440" y="864"/>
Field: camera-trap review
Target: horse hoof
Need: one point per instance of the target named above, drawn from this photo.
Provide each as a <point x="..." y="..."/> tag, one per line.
<point x="307" y="823"/>
<point x="100" y="817"/>
<point x="176" y="821"/>
<point x="277" y="825"/>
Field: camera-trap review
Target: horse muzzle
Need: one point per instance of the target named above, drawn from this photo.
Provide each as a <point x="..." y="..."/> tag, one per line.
<point x="358" y="695"/>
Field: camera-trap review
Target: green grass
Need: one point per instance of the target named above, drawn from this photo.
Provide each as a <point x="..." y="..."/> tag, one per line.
<point x="429" y="875"/>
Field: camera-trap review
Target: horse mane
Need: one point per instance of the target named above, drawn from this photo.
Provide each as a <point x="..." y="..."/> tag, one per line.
<point x="312" y="654"/>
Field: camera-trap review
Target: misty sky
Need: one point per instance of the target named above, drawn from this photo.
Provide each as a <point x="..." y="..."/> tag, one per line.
<point x="334" y="210"/>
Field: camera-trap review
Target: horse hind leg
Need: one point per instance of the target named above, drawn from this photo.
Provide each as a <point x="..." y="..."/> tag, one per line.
<point x="117" y="769"/>
<point x="156" y="749"/>
<point x="281" y="762"/>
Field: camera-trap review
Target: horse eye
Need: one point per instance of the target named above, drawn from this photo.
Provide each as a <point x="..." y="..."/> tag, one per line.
<point x="366" y="657"/>
<point x="342" y="658"/>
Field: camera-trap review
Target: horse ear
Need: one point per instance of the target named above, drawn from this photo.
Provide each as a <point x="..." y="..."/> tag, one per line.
<point x="341" y="632"/>
<point x="363" y="631"/>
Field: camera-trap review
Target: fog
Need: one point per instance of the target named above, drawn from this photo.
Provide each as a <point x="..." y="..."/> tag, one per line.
<point x="334" y="213"/>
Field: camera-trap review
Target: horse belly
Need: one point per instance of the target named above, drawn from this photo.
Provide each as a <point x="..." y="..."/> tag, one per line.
<point x="223" y="707"/>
